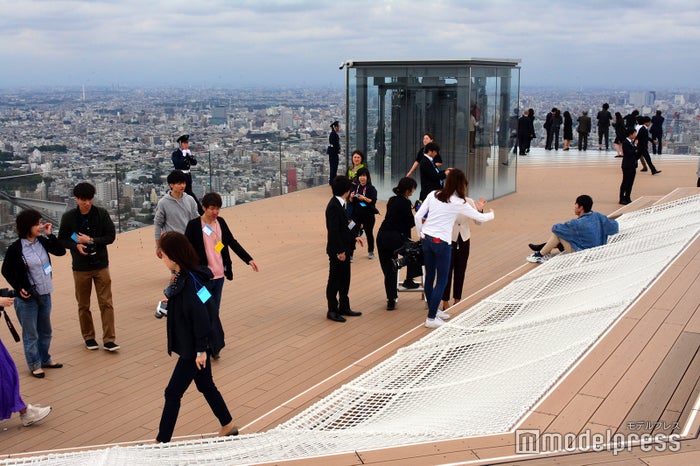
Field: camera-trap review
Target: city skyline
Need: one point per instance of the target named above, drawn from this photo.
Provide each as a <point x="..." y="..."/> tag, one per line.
<point x="301" y="43"/>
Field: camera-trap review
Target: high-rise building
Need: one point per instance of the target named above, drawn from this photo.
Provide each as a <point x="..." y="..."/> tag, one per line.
<point x="218" y="115"/>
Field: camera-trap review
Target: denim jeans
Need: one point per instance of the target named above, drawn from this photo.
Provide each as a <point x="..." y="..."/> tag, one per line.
<point x="34" y="316"/>
<point x="436" y="258"/>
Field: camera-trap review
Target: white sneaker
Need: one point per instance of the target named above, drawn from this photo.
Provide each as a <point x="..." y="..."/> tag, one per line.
<point x="34" y="414"/>
<point x="434" y="323"/>
<point x="443" y="315"/>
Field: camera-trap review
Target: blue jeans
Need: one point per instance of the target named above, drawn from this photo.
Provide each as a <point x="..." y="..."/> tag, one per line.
<point x="35" y="318"/>
<point x="436" y="258"/>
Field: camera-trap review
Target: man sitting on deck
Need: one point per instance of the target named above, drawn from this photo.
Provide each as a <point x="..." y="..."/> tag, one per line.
<point x="588" y="230"/>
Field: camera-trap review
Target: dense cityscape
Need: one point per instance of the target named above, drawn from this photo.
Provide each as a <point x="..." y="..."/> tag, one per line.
<point x="250" y="143"/>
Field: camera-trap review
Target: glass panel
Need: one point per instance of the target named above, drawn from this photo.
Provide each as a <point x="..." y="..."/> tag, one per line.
<point x="466" y="109"/>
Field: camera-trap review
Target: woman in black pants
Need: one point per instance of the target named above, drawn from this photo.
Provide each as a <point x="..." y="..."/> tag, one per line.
<point x="394" y="231"/>
<point x="190" y="329"/>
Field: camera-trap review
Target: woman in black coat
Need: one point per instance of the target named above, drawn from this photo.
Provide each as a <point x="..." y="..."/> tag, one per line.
<point x="394" y="231"/>
<point x="568" y="130"/>
<point x="27" y="268"/>
<point x="191" y="325"/>
<point x="363" y="206"/>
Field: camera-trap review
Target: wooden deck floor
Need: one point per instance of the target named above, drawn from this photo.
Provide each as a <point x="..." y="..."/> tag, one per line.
<point x="282" y="353"/>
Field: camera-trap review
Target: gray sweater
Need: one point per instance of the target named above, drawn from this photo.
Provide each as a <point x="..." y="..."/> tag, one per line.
<point x="174" y="214"/>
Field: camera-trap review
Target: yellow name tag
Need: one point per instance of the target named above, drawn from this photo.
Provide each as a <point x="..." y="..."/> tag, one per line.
<point x="219" y="246"/>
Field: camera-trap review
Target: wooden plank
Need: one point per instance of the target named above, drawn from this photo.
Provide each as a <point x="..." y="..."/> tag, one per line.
<point x="656" y="396"/>
<point x="613" y="411"/>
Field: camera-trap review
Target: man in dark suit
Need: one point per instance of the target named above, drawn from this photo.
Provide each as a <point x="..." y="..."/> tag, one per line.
<point x="604" y="118"/>
<point x="629" y="166"/>
<point x="657" y="132"/>
<point x="548" y="120"/>
<point x="643" y="143"/>
<point x="430" y="175"/>
<point x="342" y="235"/>
<point x="182" y="160"/>
<point x="333" y="150"/>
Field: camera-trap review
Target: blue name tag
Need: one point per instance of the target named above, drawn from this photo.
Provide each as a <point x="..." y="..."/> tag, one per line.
<point x="204" y="294"/>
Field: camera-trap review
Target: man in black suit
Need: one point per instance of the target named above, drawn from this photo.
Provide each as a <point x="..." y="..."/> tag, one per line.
<point x="333" y="150"/>
<point x="342" y="235"/>
<point x="604" y="118"/>
<point x="182" y="160"/>
<point x="430" y="175"/>
<point x="657" y="132"/>
<point x="643" y="143"/>
<point x="629" y="166"/>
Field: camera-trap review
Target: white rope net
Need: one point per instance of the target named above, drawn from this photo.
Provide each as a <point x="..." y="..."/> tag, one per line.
<point x="477" y="375"/>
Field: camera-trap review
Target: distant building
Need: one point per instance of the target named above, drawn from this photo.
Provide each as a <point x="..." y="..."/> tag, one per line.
<point x="642" y="99"/>
<point x="218" y="115"/>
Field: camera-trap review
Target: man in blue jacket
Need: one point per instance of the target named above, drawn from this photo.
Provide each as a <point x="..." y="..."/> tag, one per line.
<point x="588" y="230"/>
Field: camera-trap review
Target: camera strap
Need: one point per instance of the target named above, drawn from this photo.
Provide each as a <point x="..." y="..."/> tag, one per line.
<point x="14" y="333"/>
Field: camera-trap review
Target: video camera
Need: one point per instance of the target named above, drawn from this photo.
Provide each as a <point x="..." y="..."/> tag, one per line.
<point x="411" y="253"/>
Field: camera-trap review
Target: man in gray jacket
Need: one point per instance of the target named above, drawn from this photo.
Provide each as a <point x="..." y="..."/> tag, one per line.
<point x="175" y="209"/>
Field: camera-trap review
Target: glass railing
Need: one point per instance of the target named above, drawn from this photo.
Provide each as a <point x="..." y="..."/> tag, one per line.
<point x="129" y="187"/>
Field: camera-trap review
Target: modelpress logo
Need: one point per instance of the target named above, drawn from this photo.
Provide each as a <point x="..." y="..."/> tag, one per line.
<point x="533" y="442"/>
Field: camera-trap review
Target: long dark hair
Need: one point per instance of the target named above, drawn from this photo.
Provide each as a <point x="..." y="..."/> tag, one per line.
<point x="455" y="183"/>
<point x="179" y="250"/>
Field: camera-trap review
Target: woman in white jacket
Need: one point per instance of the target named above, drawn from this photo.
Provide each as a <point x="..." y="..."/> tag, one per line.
<point x="434" y="222"/>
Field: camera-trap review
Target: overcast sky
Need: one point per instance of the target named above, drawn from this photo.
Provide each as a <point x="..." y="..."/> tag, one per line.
<point x="582" y="44"/>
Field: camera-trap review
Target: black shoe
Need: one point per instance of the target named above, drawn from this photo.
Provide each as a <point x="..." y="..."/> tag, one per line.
<point x="625" y="201"/>
<point x="643" y="170"/>
<point x="349" y="313"/>
<point x="91" y="344"/>
<point x="53" y="365"/>
<point x="410" y="284"/>
<point x="536" y="247"/>
<point x="111" y="346"/>
<point x="38" y="375"/>
<point x="657" y="171"/>
<point x="390" y="305"/>
<point x="335" y="317"/>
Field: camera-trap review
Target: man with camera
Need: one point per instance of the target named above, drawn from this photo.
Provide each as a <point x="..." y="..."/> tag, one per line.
<point x="86" y="231"/>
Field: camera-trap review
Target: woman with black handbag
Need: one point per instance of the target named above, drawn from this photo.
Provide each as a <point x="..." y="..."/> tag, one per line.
<point x="27" y="267"/>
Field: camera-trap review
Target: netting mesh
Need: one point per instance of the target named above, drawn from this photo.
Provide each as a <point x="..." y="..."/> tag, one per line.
<point x="477" y="375"/>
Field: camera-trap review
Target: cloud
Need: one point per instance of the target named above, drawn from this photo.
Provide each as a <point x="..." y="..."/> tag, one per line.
<point x="276" y="41"/>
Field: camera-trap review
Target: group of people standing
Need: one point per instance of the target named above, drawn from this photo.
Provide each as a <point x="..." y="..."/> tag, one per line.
<point x="441" y="219"/>
<point x="604" y="121"/>
<point x="193" y="242"/>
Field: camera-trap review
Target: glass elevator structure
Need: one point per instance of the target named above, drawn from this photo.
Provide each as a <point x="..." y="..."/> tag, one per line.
<point x="470" y="106"/>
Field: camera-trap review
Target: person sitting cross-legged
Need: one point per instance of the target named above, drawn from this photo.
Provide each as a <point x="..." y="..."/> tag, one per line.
<point x="588" y="230"/>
